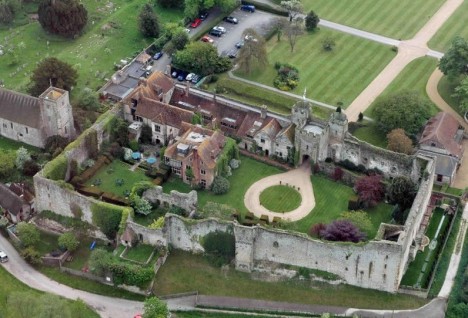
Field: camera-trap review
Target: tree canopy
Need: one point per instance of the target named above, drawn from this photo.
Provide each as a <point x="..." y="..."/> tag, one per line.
<point x="399" y="142"/>
<point x="253" y="53"/>
<point x="455" y="61"/>
<point x="52" y="71"/>
<point x="155" y="308"/>
<point x="406" y="110"/>
<point x="294" y="7"/>
<point x="311" y="21"/>
<point x="461" y="92"/>
<point x="201" y="58"/>
<point x="148" y="22"/>
<point x="62" y="17"/>
<point x="192" y="8"/>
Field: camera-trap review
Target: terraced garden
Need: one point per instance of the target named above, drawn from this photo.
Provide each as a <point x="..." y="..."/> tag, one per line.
<point x="331" y="77"/>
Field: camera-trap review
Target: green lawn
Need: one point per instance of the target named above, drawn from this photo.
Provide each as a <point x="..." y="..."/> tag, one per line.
<point x="394" y="18"/>
<point x="115" y="171"/>
<point x="247" y="174"/>
<point x="10" y="284"/>
<point x="424" y="260"/>
<point x="11" y="145"/>
<point x="413" y="77"/>
<point x="183" y="272"/>
<point x="372" y="134"/>
<point x="139" y="253"/>
<point x="280" y="198"/>
<point x="47" y="243"/>
<point x="258" y="96"/>
<point x="331" y="77"/>
<point x="93" y="54"/>
<point x="331" y="200"/>
<point x="81" y="255"/>
<point x="202" y="314"/>
<point x="451" y="28"/>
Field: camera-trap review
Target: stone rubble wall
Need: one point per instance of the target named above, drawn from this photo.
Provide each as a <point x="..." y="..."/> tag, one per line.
<point x="186" y="201"/>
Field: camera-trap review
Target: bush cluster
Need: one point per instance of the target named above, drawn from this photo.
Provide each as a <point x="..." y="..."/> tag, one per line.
<point x="221" y="246"/>
<point x="287" y="78"/>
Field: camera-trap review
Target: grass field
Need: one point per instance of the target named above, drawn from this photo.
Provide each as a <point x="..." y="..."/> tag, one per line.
<point x="115" y="171"/>
<point x="11" y="145"/>
<point x="93" y="54"/>
<point x="183" y="272"/>
<point x="413" y="77"/>
<point x="424" y="260"/>
<point x="446" y="90"/>
<point x="139" y="253"/>
<point x="10" y="284"/>
<point x="454" y="26"/>
<point x="280" y="198"/>
<point x="393" y="18"/>
<point x="330" y="77"/>
<point x="372" y="134"/>
<point x="200" y="314"/>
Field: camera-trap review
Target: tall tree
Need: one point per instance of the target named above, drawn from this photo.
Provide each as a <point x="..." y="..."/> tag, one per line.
<point x="253" y="53"/>
<point x="406" y="110"/>
<point x="52" y="71"/>
<point x="7" y="11"/>
<point x="294" y="8"/>
<point x="399" y="142"/>
<point x="63" y="17"/>
<point x="201" y="58"/>
<point x="455" y="62"/>
<point x="311" y="21"/>
<point x="294" y="30"/>
<point x="148" y="22"/>
<point x="402" y="191"/>
<point x="342" y="231"/>
<point x="461" y="92"/>
<point x="28" y="233"/>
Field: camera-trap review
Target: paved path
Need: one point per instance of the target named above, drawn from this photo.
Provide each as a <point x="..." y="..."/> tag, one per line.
<point x="300" y="178"/>
<point x="407" y="51"/>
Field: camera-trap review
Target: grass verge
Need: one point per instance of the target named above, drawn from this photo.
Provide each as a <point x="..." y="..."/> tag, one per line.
<point x="280" y="198"/>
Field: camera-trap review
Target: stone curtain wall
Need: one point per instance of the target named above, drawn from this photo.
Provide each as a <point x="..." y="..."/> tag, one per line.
<point x="186" y="201"/>
<point x="148" y="236"/>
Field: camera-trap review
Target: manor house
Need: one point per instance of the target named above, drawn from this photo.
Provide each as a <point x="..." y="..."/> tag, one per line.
<point x="32" y="120"/>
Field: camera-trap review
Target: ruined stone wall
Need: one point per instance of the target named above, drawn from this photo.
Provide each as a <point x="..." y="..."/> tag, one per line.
<point x="156" y="237"/>
<point x="186" y="201"/>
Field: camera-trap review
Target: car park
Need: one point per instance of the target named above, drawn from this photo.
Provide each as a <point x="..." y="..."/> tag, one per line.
<point x="203" y="15"/>
<point x="158" y="55"/>
<point x="207" y="39"/>
<point x="231" y="19"/>
<point x="215" y="32"/>
<point x="248" y="8"/>
<point x="220" y="28"/>
<point x="196" y="23"/>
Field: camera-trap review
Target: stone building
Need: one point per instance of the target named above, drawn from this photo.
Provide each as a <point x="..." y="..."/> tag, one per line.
<point x="17" y="204"/>
<point x="442" y="139"/>
<point x="32" y="120"/>
<point x="194" y="156"/>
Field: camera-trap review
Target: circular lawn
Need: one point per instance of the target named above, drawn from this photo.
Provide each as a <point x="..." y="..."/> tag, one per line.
<point x="280" y="198"/>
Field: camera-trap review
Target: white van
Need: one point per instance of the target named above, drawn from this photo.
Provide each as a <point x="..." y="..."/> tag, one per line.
<point x="3" y="257"/>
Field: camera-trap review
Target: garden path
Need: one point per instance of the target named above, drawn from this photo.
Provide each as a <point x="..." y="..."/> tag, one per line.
<point x="300" y="178"/>
<point x="407" y="51"/>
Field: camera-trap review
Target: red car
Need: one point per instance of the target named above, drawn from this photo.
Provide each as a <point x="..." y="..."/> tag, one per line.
<point x="196" y="23"/>
<point x="207" y="39"/>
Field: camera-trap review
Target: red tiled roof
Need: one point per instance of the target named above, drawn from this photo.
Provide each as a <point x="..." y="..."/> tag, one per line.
<point x="162" y="113"/>
<point x="152" y="87"/>
<point x="441" y="130"/>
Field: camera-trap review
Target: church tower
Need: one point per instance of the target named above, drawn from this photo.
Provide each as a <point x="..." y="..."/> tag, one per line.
<point x="57" y="114"/>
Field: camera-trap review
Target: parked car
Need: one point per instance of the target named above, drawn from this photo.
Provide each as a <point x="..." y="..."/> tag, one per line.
<point x="215" y="32"/>
<point x="240" y="44"/>
<point x="248" y="8"/>
<point x="3" y="257"/>
<point x="158" y="55"/>
<point x="233" y="53"/>
<point x="196" y="23"/>
<point x="203" y="15"/>
<point x="187" y="30"/>
<point x="190" y="76"/>
<point x="174" y="74"/>
<point x="196" y="79"/>
<point x="231" y="20"/>
<point x="207" y="39"/>
<point x="220" y="28"/>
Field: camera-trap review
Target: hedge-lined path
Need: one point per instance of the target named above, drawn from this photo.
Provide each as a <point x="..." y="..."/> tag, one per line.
<point x="299" y="178"/>
<point x="407" y="52"/>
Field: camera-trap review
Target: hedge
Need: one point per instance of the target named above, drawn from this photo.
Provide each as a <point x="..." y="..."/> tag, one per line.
<point x="126" y="212"/>
<point x="107" y="217"/>
<point x="114" y="199"/>
<point x="90" y="191"/>
<point x="230" y="151"/>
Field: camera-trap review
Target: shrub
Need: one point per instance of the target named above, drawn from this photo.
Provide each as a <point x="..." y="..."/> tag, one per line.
<point x="133" y="144"/>
<point x="221" y="245"/>
<point x="370" y="189"/>
<point x="337" y="174"/>
<point x="311" y="21"/>
<point x="353" y="205"/>
<point x="287" y="78"/>
<point x="157" y="224"/>
<point x="28" y="233"/>
<point x="316" y="230"/>
<point x="31" y="256"/>
<point x="343" y="231"/>
<point x="220" y="185"/>
<point x="30" y="168"/>
<point x="107" y="217"/>
<point x="68" y="241"/>
<point x="100" y="261"/>
<point x="155" y="308"/>
<point x="359" y="218"/>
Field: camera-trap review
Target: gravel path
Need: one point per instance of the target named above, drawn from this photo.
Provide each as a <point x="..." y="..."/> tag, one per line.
<point x="300" y="178"/>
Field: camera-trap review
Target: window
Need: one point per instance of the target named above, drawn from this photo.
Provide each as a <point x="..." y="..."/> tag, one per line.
<point x="176" y="170"/>
<point x="202" y="171"/>
<point x="439" y="178"/>
<point x="11" y="124"/>
<point x="27" y="130"/>
<point x="203" y="182"/>
<point x="157" y="128"/>
<point x="262" y="140"/>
